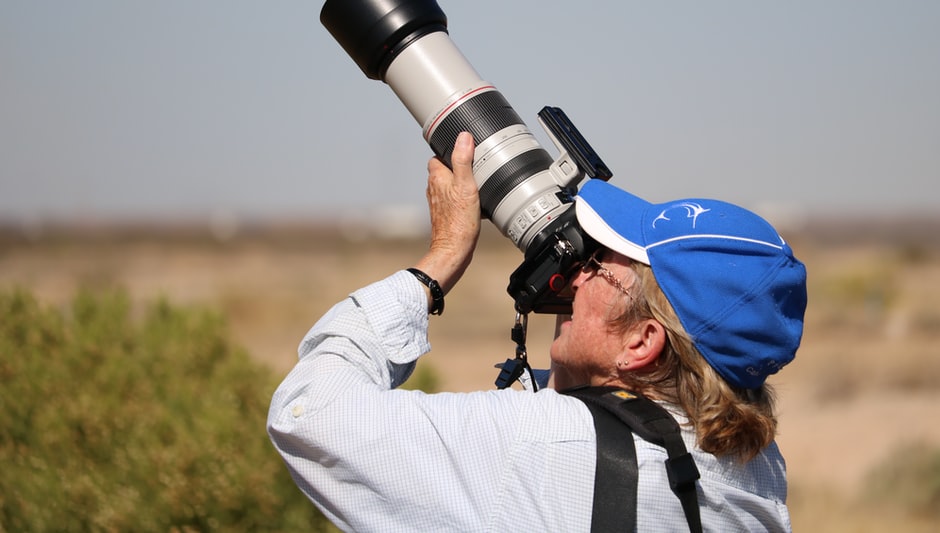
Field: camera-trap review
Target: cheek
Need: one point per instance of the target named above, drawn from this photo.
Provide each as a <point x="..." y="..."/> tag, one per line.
<point x="586" y="341"/>
<point x="579" y="339"/>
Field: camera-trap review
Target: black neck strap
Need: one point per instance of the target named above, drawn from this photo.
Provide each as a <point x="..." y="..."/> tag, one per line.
<point x="617" y="414"/>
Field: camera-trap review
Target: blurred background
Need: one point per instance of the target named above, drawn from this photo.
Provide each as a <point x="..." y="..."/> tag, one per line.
<point x="230" y="156"/>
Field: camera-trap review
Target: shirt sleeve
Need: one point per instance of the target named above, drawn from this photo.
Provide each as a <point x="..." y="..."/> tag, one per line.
<point x="380" y="330"/>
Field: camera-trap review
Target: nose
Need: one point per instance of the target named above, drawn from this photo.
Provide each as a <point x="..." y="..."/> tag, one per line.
<point x="580" y="276"/>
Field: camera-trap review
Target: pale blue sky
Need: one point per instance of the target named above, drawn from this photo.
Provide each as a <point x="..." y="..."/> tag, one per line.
<point x="117" y="108"/>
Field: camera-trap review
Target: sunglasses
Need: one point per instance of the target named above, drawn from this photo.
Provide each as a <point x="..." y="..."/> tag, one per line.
<point x="594" y="266"/>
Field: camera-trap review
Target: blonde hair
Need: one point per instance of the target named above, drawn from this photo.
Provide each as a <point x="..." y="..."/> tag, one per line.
<point x="728" y="420"/>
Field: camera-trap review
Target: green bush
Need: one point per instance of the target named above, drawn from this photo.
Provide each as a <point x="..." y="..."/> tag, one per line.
<point x="424" y="378"/>
<point x="910" y="479"/>
<point x="110" y="423"/>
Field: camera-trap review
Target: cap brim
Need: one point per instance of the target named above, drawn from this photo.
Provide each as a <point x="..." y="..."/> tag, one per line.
<point x="613" y="217"/>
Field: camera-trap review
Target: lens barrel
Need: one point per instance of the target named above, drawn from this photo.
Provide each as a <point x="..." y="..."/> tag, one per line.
<point x="405" y="44"/>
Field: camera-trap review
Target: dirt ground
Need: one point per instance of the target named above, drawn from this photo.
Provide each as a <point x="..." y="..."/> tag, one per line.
<point x="864" y="388"/>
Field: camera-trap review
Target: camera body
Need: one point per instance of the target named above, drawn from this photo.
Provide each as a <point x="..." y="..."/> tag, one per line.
<point x="525" y="192"/>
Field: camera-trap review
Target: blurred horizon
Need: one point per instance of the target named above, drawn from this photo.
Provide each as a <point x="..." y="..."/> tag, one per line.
<point x="910" y="229"/>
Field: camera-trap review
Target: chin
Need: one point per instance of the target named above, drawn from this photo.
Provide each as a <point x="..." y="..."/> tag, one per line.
<point x="553" y="352"/>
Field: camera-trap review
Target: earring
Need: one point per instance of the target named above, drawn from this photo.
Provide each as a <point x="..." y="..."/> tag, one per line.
<point x="623" y="364"/>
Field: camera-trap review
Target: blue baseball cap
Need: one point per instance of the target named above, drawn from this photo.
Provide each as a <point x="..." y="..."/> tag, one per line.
<point x="732" y="280"/>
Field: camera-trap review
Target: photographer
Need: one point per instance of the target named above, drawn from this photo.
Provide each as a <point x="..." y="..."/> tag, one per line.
<point x="692" y="304"/>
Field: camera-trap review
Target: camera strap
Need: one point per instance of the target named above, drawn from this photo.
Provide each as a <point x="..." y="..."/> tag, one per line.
<point x="518" y="369"/>
<point x="617" y="415"/>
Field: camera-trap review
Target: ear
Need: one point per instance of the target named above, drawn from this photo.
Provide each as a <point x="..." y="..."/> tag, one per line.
<point x="644" y="343"/>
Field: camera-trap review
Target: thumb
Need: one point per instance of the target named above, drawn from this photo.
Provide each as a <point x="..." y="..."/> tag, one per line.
<point x="462" y="157"/>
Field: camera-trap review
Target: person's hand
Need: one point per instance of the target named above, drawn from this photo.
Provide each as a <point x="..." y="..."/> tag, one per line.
<point x="454" y="204"/>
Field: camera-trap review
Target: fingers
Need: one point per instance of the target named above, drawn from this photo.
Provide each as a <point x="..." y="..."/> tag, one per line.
<point x="454" y="188"/>
<point x="461" y="161"/>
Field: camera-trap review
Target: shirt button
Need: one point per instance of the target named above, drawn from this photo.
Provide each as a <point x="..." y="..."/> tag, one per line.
<point x="297" y="410"/>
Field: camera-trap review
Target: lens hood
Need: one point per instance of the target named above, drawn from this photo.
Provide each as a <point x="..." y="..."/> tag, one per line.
<point x="374" y="32"/>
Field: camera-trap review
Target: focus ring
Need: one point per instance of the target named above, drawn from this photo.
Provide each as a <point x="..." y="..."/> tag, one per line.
<point x="483" y="115"/>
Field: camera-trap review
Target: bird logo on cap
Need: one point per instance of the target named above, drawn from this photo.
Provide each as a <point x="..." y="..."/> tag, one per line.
<point x="692" y="210"/>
